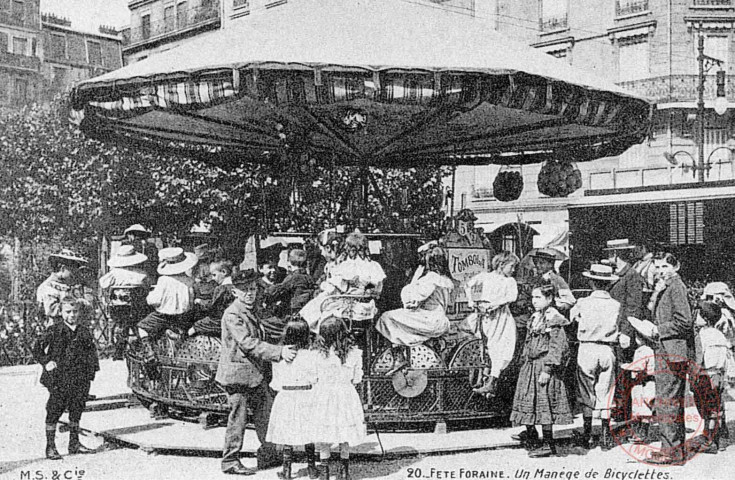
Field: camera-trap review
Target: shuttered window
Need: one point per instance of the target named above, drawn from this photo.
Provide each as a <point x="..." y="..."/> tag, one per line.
<point x="686" y="223"/>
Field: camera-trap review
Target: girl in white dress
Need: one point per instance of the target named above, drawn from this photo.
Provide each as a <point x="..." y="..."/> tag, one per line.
<point x="288" y="424"/>
<point x="425" y="301"/>
<point x="353" y="273"/>
<point x="496" y="324"/>
<point x="336" y="413"/>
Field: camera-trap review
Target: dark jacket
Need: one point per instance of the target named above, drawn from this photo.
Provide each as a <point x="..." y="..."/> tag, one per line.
<point x="294" y="292"/>
<point x="629" y="292"/>
<point x="673" y="317"/>
<point x="244" y="356"/>
<point x="74" y="352"/>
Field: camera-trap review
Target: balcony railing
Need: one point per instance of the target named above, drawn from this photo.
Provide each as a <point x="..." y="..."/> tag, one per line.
<point x="551" y="24"/>
<point x="677" y="88"/>
<point x="630" y="7"/>
<point x="181" y="21"/>
<point x="712" y="3"/>
<point x="20" y="61"/>
<point x="655" y="176"/>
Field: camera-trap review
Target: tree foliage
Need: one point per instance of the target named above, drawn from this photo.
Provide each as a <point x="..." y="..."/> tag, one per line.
<point x="59" y="184"/>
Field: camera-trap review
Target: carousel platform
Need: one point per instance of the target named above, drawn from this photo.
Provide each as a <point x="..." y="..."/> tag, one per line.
<point x="119" y="419"/>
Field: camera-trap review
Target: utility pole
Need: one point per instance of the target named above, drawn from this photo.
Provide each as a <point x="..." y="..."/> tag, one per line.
<point x="700" y="108"/>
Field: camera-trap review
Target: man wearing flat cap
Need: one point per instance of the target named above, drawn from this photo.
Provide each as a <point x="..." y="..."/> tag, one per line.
<point x="49" y="293"/>
<point x="544" y="259"/>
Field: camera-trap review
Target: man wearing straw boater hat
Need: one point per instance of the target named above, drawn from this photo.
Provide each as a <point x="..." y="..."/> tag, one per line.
<point x="49" y="293"/>
<point x="628" y="290"/>
<point x="598" y="335"/>
<point x="126" y="286"/>
<point x="172" y="300"/>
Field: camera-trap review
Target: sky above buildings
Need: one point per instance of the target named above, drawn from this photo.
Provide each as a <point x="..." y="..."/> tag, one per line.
<point x="88" y="15"/>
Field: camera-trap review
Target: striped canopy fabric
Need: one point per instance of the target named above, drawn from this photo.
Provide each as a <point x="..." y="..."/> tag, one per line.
<point x="365" y="82"/>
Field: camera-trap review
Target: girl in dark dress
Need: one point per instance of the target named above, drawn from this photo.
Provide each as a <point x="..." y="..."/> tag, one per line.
<point x="540" y="396"/>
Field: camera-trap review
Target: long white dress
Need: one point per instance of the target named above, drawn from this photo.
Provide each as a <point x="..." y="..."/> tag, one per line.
<point x="288" y="424"/>
<point x="413" y="326"/>
<point x="349" y="277"/>
<point x="336" y="413"/>
<point x="498" y="326"/>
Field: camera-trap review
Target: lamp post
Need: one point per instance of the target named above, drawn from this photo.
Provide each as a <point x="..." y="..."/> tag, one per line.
<point x="700" y="166"/>
<point x="705" y="64"/>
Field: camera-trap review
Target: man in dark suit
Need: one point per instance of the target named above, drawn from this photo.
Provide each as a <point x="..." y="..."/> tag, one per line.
<point x="628" y="291"/>
<point x="675" y="328"/>
<point x="244" y="371"/>
<point x="68" y="355"/>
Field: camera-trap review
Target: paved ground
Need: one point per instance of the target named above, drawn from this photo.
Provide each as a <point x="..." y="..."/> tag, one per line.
<point x="22" y="402"/>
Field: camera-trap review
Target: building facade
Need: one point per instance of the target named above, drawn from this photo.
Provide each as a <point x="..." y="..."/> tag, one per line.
<point x="160" y="25"/>
<point x="649" y="47"/>
<point x="70" y="56"/>
<point x="41" y="55"/>
<point x="20" y="57"/>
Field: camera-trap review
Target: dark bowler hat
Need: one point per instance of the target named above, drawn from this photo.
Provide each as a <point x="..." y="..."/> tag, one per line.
<point x="544" y="256"/>
<point x="244" y="278"/>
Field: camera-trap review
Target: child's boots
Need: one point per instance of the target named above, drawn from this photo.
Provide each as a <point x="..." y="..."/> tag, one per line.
<point x="344" y="469"/>
<point x="51" y="452"/>
<point x="547" y="449"/>
<point x="324" y="470"/>
<point x="285" y="474"/>
<point x="75" y="446"/>
<point x="311" y="461"/>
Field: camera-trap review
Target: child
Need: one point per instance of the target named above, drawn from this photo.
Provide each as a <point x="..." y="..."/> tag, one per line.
<point x="213" y="309"/>
<point x="337" y="415"/>
<point x="643" y="393"/>
<point x="494" y="322"/>
<point x="708" y="382"/>
<point x="172" y="299"/>
<point x="294" y="292"/>
<point x="597" y="332"/>
<point x="353" y="273"/>
<point x="288" y="424"/>
<point x="68" y="355"/>
<point x="126" y="285"/>
<point x="540" y="396"/>
<point x="65" y="266"/>
<point x="424" y="312"/>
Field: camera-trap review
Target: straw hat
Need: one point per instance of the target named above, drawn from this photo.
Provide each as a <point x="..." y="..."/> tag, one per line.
<point x="126" y="256"/>
<point x="620" y="244"/>
<point x="427" y="246"/>
<point x="68" y="257"/>
<point x="137" y="228"/>
<point x="601" y="272"/>
<point x="174" y="260"/>
<point x="719" y="289"/>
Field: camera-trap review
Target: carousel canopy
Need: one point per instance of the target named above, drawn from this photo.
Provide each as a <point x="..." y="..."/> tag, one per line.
<point x="364" y="82"/>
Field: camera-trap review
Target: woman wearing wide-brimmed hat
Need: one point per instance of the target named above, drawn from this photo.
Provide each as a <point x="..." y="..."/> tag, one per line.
<point x="172" y="299"/>
<point x="126" y="286"/>
<point x="50" y="292"/>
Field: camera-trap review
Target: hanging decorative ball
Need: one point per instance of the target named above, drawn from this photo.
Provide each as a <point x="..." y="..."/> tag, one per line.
<point x="508" y="185"/>
<point x="559" y="178"/>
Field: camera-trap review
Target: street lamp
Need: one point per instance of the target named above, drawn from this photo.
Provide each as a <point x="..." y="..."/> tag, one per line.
<point x="703" y="166"/>
<point x="705" y="64"/>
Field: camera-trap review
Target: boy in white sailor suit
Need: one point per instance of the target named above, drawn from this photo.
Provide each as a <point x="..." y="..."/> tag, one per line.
<point x="597" y="317"/>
